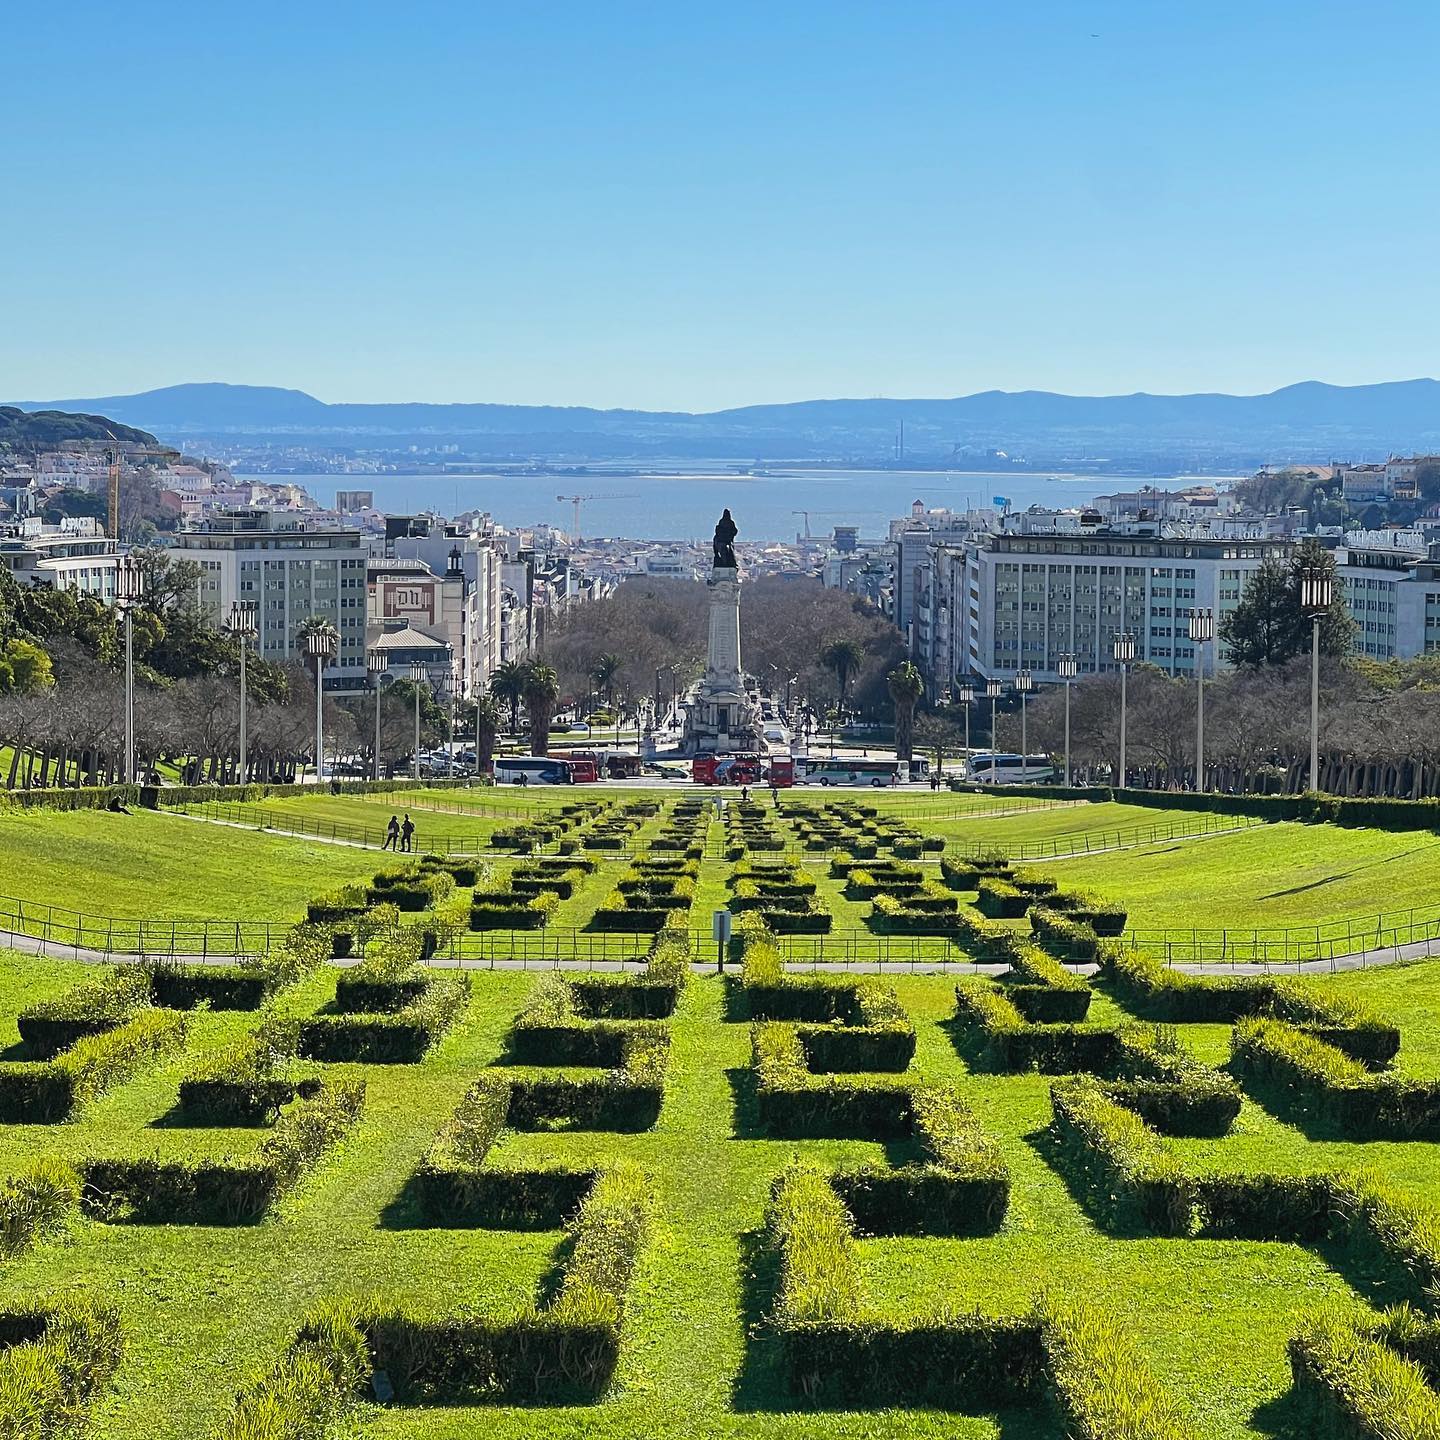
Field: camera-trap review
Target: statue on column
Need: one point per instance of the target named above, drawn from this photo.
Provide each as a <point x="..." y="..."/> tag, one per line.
<point x="724" y="545"/>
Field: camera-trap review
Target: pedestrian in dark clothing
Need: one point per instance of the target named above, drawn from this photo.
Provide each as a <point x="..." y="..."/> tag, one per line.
<point x="775" y="795"/>
<point x="406" y="831"/>
<point x="745" y="794"/>
<point x="392" y="834"/>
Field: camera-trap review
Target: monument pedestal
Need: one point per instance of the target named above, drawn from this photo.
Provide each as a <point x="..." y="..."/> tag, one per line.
<point x="721" y="719"/>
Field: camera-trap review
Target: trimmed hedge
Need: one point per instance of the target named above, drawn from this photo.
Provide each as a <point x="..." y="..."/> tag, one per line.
<point x="1363" y="1104"/>
<point x="45" y="1092"/>
<point x="839" y="1354"/>
<point x="183" y="1192"/>
<point x="961" y="1186"/>
<point x="119" y="993"/>
<point x="1043" y="990"/>
<point x="1001" y="899"/>
<point x="400" y="1037"/>
<point x="59" y="1360"/>
<point x="566" y="1350"/>
<point x="35" y="1203"/>
<point x="1146" y="983"/>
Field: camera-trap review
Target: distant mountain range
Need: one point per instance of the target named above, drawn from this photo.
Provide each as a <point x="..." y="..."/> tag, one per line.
<point x="1309" y="421"/>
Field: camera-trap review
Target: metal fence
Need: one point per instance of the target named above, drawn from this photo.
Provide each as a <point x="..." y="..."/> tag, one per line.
<point x="1395" y="934"/>
<point x="54" y="926"/>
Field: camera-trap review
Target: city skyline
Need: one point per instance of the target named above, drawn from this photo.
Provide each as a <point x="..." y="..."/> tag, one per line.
<point x="708" y="211"/>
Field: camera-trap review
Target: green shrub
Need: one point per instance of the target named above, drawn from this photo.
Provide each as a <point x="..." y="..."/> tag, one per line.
<point x="401" y="1037"/>
<point x="1043" y="990"/>
<point x="181" y="1192"/>
<point x="1351" y="1386"/>
<point x="1103" y="1387"/>
<point x="63" y="1359"/>
<point x="1001" y="899"/>
<point x="1146" y="983"/>
<point x="119" y="992"/>
<point x="1361" y="1102"/>
<point x="310" y="1390"/>
<point x="248" y="1082"/>
<point x="34" y="1203"/>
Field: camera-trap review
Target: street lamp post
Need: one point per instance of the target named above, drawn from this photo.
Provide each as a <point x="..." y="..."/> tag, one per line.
<point x="1202" y="632"/>
<point x="376" y="666"/>
<point x="1024" y="684"/>
<point x="1317" y="593"/>
<point x="243" y="627"/>
<point x="992" y="693"/>
<point x="966" y="696"/>
<point x="417" y="678"/>
<point x="129" y="588"/>
<point x="1124" y="652"/>
<point x="321" y="645"/>
<point x="1066" y="668"/>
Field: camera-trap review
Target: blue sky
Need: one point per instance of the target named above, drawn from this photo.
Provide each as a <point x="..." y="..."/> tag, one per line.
<point x="686" y="206"/>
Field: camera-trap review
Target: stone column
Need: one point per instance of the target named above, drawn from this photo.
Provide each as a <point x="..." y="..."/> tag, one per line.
<point x="723" y="661"/>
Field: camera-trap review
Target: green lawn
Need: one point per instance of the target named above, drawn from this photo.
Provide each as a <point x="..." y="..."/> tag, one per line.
<point x="164" y="866"/>
<point x="205" y="1307"/>
<point x="1282" y="874"/>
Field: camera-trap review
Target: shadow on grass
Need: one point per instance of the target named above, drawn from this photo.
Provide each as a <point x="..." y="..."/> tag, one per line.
<point x="759" y="1384"/>
<point x="179" y="1117"/>
<point x="1087" y="1187"/>
<point x="1289" y="1106"/>
<point x="1286" y="1417"/>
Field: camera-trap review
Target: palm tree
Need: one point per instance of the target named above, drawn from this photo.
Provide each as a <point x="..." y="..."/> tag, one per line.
<point x="508" y="684"/>
<point x="844" y="657"/>
<point x="907" y="685"/>
<point x="603" y="673"/>
<point x="542" y="690"/>
<point x="488" y="716"/>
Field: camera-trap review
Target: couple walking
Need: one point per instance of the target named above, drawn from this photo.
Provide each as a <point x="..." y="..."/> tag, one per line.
<point x="398" y="836"/>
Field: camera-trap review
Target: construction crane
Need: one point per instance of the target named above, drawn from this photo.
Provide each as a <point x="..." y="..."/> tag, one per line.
<point x="818" y="514"/>
<point x="113" y="486"/>
<point x="578" y="500"/>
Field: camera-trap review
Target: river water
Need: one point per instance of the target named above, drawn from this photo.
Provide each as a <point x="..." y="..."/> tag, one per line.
<point x="686" y="506"/>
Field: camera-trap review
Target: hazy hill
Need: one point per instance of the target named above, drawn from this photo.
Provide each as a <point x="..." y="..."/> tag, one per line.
<point x="47" y="429"/>
<point x="1311" y="420"/>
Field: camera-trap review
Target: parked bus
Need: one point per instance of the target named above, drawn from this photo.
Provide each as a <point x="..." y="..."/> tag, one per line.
<point x="840" y="770"/>
<point x="727" y="770"/>
<point x="993" y="768"/>
<point x="534" y="770"/>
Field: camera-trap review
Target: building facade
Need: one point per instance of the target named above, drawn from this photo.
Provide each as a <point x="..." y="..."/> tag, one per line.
<point x="292" y="572"/>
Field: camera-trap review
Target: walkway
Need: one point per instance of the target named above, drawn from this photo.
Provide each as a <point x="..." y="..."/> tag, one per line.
<point x="1360" y="960"/>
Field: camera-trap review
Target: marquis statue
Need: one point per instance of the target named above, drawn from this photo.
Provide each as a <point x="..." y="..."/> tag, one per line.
<point x="724" y="546"/>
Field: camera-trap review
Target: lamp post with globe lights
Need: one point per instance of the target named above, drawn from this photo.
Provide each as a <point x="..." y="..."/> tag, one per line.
<point x="992" y="694"/>
<point x="320" y="646"/>
<point x="1124" y="652"/>
<point x="417" y="679"/>
<point x="1202" y="632"/>
<point x="375" y="667"/>
<point x="1317" y="594"/>
<point x="966" y="697"/>
<point x="244" y="626"/>
<point x="1024" y="684"/>
<point x="1066" y="668"/>
<point x="129" y="590"/>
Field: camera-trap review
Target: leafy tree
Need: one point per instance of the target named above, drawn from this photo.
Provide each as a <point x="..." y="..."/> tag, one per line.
<point x="1427" y="479"/>
<point x="542" y="690"/>
<point x="486" y="716"/>
<point x="906" y="685"/>
<point x="24" y="667"/>
<point x="508" y="684"/>
<point x="1268" y="626"/>
<point x="844" y="657"/>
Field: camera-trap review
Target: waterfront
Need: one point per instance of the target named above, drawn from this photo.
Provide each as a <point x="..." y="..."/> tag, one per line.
<point x="684" y="506"/>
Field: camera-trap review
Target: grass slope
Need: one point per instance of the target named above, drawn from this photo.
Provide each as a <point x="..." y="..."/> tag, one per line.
<point x="164" y="866"/>
<point x="1283" y="874"/>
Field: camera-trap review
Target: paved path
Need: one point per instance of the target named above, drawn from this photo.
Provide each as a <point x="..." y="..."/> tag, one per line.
<point x="1361" y="960"/>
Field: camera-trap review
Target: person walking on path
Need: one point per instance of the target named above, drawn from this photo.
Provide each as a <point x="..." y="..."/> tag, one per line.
<point x="392" y="834"/>
<point x="406" y="831"/>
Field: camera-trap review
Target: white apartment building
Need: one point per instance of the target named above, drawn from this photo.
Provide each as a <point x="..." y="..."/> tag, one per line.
<point x="74" y="555"/>
<point x="292" y="571"/>
<point x="1012" y="602"/>
<point x="1393" y="596"/>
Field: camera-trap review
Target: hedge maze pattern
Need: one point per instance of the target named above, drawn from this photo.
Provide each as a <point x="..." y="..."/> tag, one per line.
<point x="830" y="1057"/>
